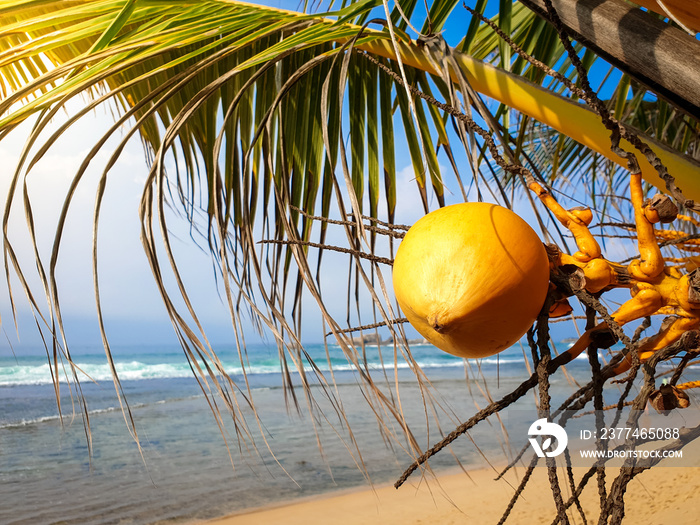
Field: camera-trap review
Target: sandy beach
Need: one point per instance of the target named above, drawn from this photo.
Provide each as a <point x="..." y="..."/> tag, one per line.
<point x="661" y="496"/>
<point x="188" y="475"/>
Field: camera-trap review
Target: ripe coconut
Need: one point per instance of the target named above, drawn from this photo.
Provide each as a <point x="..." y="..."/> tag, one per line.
<point x="471" y="278"/>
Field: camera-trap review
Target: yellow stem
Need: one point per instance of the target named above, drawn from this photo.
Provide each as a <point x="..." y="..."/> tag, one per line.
<point x="687" y="218"/>
<point x="565" y="115"/>
<point x="587" y="245"/>
<point x="688" y="385"/>
<point x="651" y="262"/>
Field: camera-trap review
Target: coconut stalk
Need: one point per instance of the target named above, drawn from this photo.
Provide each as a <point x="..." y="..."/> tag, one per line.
<point x="562" y="114"/>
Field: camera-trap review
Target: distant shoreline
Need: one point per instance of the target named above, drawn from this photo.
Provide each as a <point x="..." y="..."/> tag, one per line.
<point x="375" y="339"/>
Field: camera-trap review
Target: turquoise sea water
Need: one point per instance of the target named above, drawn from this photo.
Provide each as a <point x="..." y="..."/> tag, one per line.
<point x="185" y="464"/>
<point x="169" y="363"/>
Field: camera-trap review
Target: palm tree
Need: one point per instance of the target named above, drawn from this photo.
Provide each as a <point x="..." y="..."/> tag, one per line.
<point x="246" y="114"/>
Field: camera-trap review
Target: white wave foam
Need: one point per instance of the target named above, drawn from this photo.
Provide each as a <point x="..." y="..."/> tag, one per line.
<point x="28" y="422"/>
<point x="39" y="374"/>
<point x="95" y="411"/>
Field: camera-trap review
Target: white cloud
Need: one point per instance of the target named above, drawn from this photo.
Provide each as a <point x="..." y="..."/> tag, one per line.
<point x="127" y="286"/>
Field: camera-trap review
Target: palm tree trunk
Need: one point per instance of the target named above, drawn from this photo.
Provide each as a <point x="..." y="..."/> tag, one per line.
<point x="658" y="55"/>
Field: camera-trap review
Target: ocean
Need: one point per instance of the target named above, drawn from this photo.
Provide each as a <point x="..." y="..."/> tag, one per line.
<point x="184" y="464"/>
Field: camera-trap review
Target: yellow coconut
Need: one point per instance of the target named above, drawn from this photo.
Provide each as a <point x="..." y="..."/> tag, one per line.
<point x="471" y="278"/>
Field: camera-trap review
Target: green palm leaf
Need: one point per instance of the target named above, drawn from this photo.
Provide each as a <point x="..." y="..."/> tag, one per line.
<point x="275" y="121"/>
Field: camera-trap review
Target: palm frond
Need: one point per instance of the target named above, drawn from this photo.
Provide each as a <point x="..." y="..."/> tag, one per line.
<point x="255" y="120"/>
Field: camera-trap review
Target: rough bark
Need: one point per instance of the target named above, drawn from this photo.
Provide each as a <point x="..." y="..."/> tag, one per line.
<point x="656" y="54"/>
